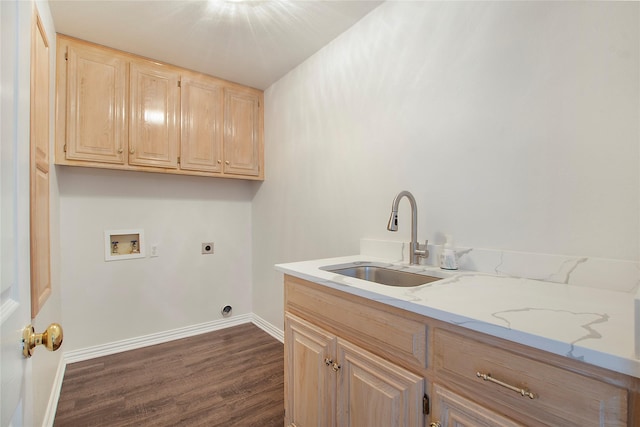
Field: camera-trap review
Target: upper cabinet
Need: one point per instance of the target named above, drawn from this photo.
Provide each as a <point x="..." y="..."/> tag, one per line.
<point x="94" y="104"/>
<point x="154" y="106"/>
<point x="119" y="111"/>
<point x="201" y="125"/>
<point x="242" y="136"/>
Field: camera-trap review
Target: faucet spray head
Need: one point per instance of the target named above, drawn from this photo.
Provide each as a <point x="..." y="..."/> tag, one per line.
<point x="393" y="221"/>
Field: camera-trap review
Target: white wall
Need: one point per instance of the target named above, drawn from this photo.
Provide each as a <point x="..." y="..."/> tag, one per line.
<point x="515" y="125"/>
<point x="104" y="302"/>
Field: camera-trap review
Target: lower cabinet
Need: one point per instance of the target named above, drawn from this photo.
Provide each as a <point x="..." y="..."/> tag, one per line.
<point x="332" y="382"/>
<point x="370" y="366"/>
<point x="453" y="410"/>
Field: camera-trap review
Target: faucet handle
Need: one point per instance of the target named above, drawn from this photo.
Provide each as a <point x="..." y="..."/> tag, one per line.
<point x="422" y="250"/>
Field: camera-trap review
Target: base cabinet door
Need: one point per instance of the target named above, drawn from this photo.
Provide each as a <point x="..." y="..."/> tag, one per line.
<point x="309" y="383"/>
<point x="374" y="392"/>
<point x="330" y="382"/>
<point x="452" y="410"/>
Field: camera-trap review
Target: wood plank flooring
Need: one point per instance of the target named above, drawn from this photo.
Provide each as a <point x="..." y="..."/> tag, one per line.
<point x="232" y="377"/>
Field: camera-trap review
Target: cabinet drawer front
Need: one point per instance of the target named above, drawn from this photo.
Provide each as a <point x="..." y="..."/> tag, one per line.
<point x="388" y="334"/>
<point x="560" y="397"/>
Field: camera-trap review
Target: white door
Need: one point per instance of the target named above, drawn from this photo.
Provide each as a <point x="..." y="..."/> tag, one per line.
<point x="15" y="308"/>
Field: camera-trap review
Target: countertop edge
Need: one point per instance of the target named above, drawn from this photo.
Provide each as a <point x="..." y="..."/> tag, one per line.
<point x="615" y="362"/>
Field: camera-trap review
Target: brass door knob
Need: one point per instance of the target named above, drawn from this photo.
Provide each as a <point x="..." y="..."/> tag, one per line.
<point x="51" y="338"/>
<point x="435" y="424"/>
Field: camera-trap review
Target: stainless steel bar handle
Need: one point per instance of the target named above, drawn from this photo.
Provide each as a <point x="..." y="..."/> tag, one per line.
<point x="520" y="391"/>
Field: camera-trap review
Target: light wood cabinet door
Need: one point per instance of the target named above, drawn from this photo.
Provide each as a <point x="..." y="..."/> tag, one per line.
<point x="309" y="381"/>
<point x="452" y="410"/>
<point x="153" y="115"/>
<point x="201" y="124"/>
<point x="374" y="392"/>
<point x="96" y="128"/>
<point x="242" y="133"/>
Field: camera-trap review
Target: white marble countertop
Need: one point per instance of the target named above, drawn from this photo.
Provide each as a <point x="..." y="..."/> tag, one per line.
<point x="588" y="324"/>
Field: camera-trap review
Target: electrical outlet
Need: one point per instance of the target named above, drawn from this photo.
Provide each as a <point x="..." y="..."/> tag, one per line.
<point x="155" y="251"/>
<point x="207" y="248"/>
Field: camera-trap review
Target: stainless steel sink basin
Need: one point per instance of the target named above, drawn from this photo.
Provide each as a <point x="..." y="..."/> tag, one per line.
<point x="382" y="275"/>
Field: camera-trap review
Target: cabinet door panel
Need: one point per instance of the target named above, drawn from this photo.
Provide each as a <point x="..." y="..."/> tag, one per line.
<point x="452" y="410"/>
<point x="96" y="94"/>
<point x="153" y="119"/>
<point x="39" y="167"/>
<point x="376" y="393"/>
<point x="201" y="119"/>
<point x="309" y="382"/>
<point x="242" y="138"/>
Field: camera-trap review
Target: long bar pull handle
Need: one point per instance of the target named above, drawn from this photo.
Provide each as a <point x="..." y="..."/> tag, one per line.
<point x="520" y="391"/>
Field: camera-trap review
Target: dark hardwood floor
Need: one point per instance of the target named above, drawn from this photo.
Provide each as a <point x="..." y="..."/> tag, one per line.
<point x="232" y="377"/>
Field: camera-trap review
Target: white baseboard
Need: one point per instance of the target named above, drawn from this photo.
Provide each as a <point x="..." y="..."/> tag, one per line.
<point x="267" y="327"/>
<point x="144" y="341"/>
<point x="52" y="406"/>
<point x="152" y="339"/>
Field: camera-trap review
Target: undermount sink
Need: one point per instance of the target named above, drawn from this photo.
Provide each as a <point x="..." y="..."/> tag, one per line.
<point x="382" y="275"/>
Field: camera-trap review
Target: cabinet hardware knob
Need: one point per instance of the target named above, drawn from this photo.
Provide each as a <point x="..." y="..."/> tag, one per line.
<point x="521" y="391"/>
<point x="132" y="150"/>
<point x="335" y="367"/>
<point x="51" y="338"/>
<point x="120" y="150"/>
<point x="226" y="162"/>
<point x="328" y="361"/>
<point x="219" y="161"/>
<point x="435" y="424"/>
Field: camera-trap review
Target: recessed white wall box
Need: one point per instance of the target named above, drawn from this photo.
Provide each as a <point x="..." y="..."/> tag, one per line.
<point x="123" y="244"/>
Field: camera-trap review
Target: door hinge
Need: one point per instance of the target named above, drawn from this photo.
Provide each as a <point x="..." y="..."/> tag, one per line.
<point x="66" y="56"/>
<point x="64" y="148"/>
<point x="178" y="159"/>
<point x="425" y="404"/>
<point x="179" y="83"/>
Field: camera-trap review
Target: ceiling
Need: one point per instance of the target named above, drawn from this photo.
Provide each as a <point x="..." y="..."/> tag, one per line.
<point x="249" y="42"/>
